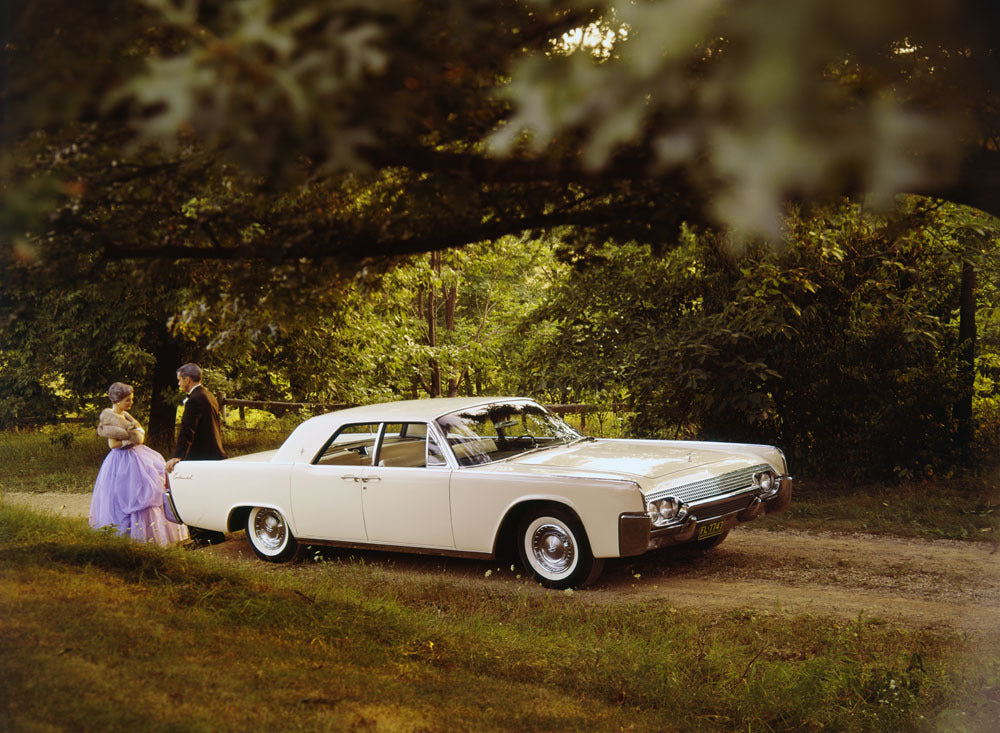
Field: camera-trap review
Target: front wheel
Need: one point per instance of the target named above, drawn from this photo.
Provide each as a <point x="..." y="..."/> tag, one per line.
<point x="553" y="546"/>
<point x="270" y="536"/>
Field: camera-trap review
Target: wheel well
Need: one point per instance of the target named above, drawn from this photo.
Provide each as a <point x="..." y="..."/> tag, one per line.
<point x="238" y="518"/>
<point x="505" y="544"/>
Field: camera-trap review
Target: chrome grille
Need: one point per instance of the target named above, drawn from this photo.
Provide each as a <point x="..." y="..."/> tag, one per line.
<point x="720" y="508"/>
<point x="706" y="488"/>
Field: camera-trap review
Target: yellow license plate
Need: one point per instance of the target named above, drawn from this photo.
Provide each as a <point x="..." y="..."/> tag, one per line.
<point x="710" y="529"/>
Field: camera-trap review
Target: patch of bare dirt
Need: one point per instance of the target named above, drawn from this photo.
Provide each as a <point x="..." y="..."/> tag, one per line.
<point x="54" y="502"/>
<point x="927" y="584"/>
<point x="942" y="583"/>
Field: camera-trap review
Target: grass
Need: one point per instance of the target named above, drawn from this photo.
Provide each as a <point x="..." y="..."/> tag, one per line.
<point x="99" y="633"/>
<point x="946" y="509"/>
<point x="53" y="458"/>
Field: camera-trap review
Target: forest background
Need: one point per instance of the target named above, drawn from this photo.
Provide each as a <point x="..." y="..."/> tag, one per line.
<point x="706" y="222"/>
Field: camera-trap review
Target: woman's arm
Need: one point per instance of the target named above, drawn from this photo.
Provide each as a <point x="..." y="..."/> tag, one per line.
<point x="136" y="434"/>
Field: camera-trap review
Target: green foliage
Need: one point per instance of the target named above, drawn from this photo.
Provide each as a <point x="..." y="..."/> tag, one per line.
<point x="207" y="179"/>
<point x="842" y="347"/>
<point x="746" y="99"/>
<point x="447" y="319"/>
<point x="935" y="508"/>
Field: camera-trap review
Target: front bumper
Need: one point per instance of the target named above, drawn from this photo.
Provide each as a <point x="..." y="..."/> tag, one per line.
<point x="636" y="533"/>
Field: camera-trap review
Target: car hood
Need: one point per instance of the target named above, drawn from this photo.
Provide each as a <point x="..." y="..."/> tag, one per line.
<point x="652" y="461"/>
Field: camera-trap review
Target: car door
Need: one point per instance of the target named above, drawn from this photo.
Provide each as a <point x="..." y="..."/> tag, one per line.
<point x="406" y="493"/>
<point x="326" y="494"/>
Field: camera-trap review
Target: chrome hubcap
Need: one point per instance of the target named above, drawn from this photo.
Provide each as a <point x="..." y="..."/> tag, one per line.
<point x="269" y="530"/>
<point x="552" y="548"/>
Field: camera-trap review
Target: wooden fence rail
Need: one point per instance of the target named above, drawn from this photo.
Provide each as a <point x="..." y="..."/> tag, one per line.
<point x="278" y="409"/>
<point x="281" y="408"/>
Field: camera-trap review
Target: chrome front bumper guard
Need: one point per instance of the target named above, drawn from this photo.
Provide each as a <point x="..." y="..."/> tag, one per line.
<point x="636" y="533"/>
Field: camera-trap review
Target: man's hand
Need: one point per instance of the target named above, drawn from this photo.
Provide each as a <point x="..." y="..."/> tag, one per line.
<point x="171" y="463"/>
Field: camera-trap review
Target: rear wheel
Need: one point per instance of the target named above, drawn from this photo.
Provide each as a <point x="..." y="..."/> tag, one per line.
<point x="270" y="536"/>
<point x="553" y="546"/>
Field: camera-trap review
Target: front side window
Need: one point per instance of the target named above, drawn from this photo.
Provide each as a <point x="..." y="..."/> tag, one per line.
<point x="503" y="430"/>
<point x="409" y="445"/>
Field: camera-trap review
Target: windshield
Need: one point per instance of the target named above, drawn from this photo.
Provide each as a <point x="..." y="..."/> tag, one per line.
<point x="494" y="432"/>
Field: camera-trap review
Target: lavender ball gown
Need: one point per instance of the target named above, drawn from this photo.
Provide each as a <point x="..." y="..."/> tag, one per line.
<point x="128" y="496"/>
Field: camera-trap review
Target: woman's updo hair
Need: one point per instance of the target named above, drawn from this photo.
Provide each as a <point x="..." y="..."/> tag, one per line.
<point x="118" y="391"/>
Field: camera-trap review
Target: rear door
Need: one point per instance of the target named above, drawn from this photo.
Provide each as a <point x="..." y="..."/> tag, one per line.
<point x="326" y="494"/>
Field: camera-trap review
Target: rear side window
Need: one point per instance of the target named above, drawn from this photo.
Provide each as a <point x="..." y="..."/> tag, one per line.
<point x="352" y="445"/>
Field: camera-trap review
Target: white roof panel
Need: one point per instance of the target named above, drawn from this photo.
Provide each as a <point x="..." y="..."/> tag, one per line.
<point x="309" y="437"/>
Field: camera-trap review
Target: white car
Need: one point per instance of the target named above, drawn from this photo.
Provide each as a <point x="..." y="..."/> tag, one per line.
<point x="480" y="477"/>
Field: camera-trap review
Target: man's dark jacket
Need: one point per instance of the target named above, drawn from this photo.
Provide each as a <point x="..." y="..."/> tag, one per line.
<point x="200" y="437"/>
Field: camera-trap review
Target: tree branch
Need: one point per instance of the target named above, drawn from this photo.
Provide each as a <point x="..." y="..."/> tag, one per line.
<point x="364" y="246"/>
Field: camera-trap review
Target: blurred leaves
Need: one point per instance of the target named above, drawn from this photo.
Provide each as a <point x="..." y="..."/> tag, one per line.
<point x="721" y="111"/>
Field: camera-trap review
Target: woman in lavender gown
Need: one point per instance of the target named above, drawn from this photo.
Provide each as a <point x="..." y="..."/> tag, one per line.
<point x="128" y="493"/>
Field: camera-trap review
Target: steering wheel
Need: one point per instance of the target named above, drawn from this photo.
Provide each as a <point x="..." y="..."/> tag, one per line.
<point x="529" y="436"/>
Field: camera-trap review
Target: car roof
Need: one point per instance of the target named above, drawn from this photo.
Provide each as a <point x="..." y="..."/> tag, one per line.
<point x="419" y="410"/>
<point x="310" y="434"/>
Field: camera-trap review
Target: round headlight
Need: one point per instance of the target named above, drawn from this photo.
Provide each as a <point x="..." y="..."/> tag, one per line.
<point x="765" y="480"/>
<point x="662" y="511"/>
<point x="667" y="508"/>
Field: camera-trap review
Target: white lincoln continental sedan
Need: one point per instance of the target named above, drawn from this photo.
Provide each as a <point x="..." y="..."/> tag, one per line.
<point x="480" y="477"/>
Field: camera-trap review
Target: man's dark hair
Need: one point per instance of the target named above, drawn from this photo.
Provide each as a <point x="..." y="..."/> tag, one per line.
<point x="190" y="370"/>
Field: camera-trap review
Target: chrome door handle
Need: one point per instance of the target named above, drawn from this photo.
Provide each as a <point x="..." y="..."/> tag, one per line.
<point x="372" y="478"/>
<point x="355" y="479"/>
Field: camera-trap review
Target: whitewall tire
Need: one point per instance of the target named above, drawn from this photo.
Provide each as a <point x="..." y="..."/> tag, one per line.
<point x="553" y="547"/>
<point x="270" y="536"/>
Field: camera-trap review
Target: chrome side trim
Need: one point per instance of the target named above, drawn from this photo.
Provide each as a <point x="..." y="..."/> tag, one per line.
<point x="407" y="549"/>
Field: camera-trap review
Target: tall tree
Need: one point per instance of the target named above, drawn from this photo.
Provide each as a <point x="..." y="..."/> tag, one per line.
<point x="78" y="320"/>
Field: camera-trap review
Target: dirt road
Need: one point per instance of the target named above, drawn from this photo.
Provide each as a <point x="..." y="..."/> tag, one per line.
<point x="941" y="584"/>
<point x="928" y="584"/>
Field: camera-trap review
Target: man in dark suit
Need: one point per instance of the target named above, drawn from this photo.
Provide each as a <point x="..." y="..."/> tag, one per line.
<point x="200" y="437"/>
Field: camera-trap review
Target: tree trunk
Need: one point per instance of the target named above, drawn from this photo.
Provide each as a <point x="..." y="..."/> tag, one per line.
<point x="431" y="319"/>
<point x="162" y="405"/>
<point x="965" y="427"/>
